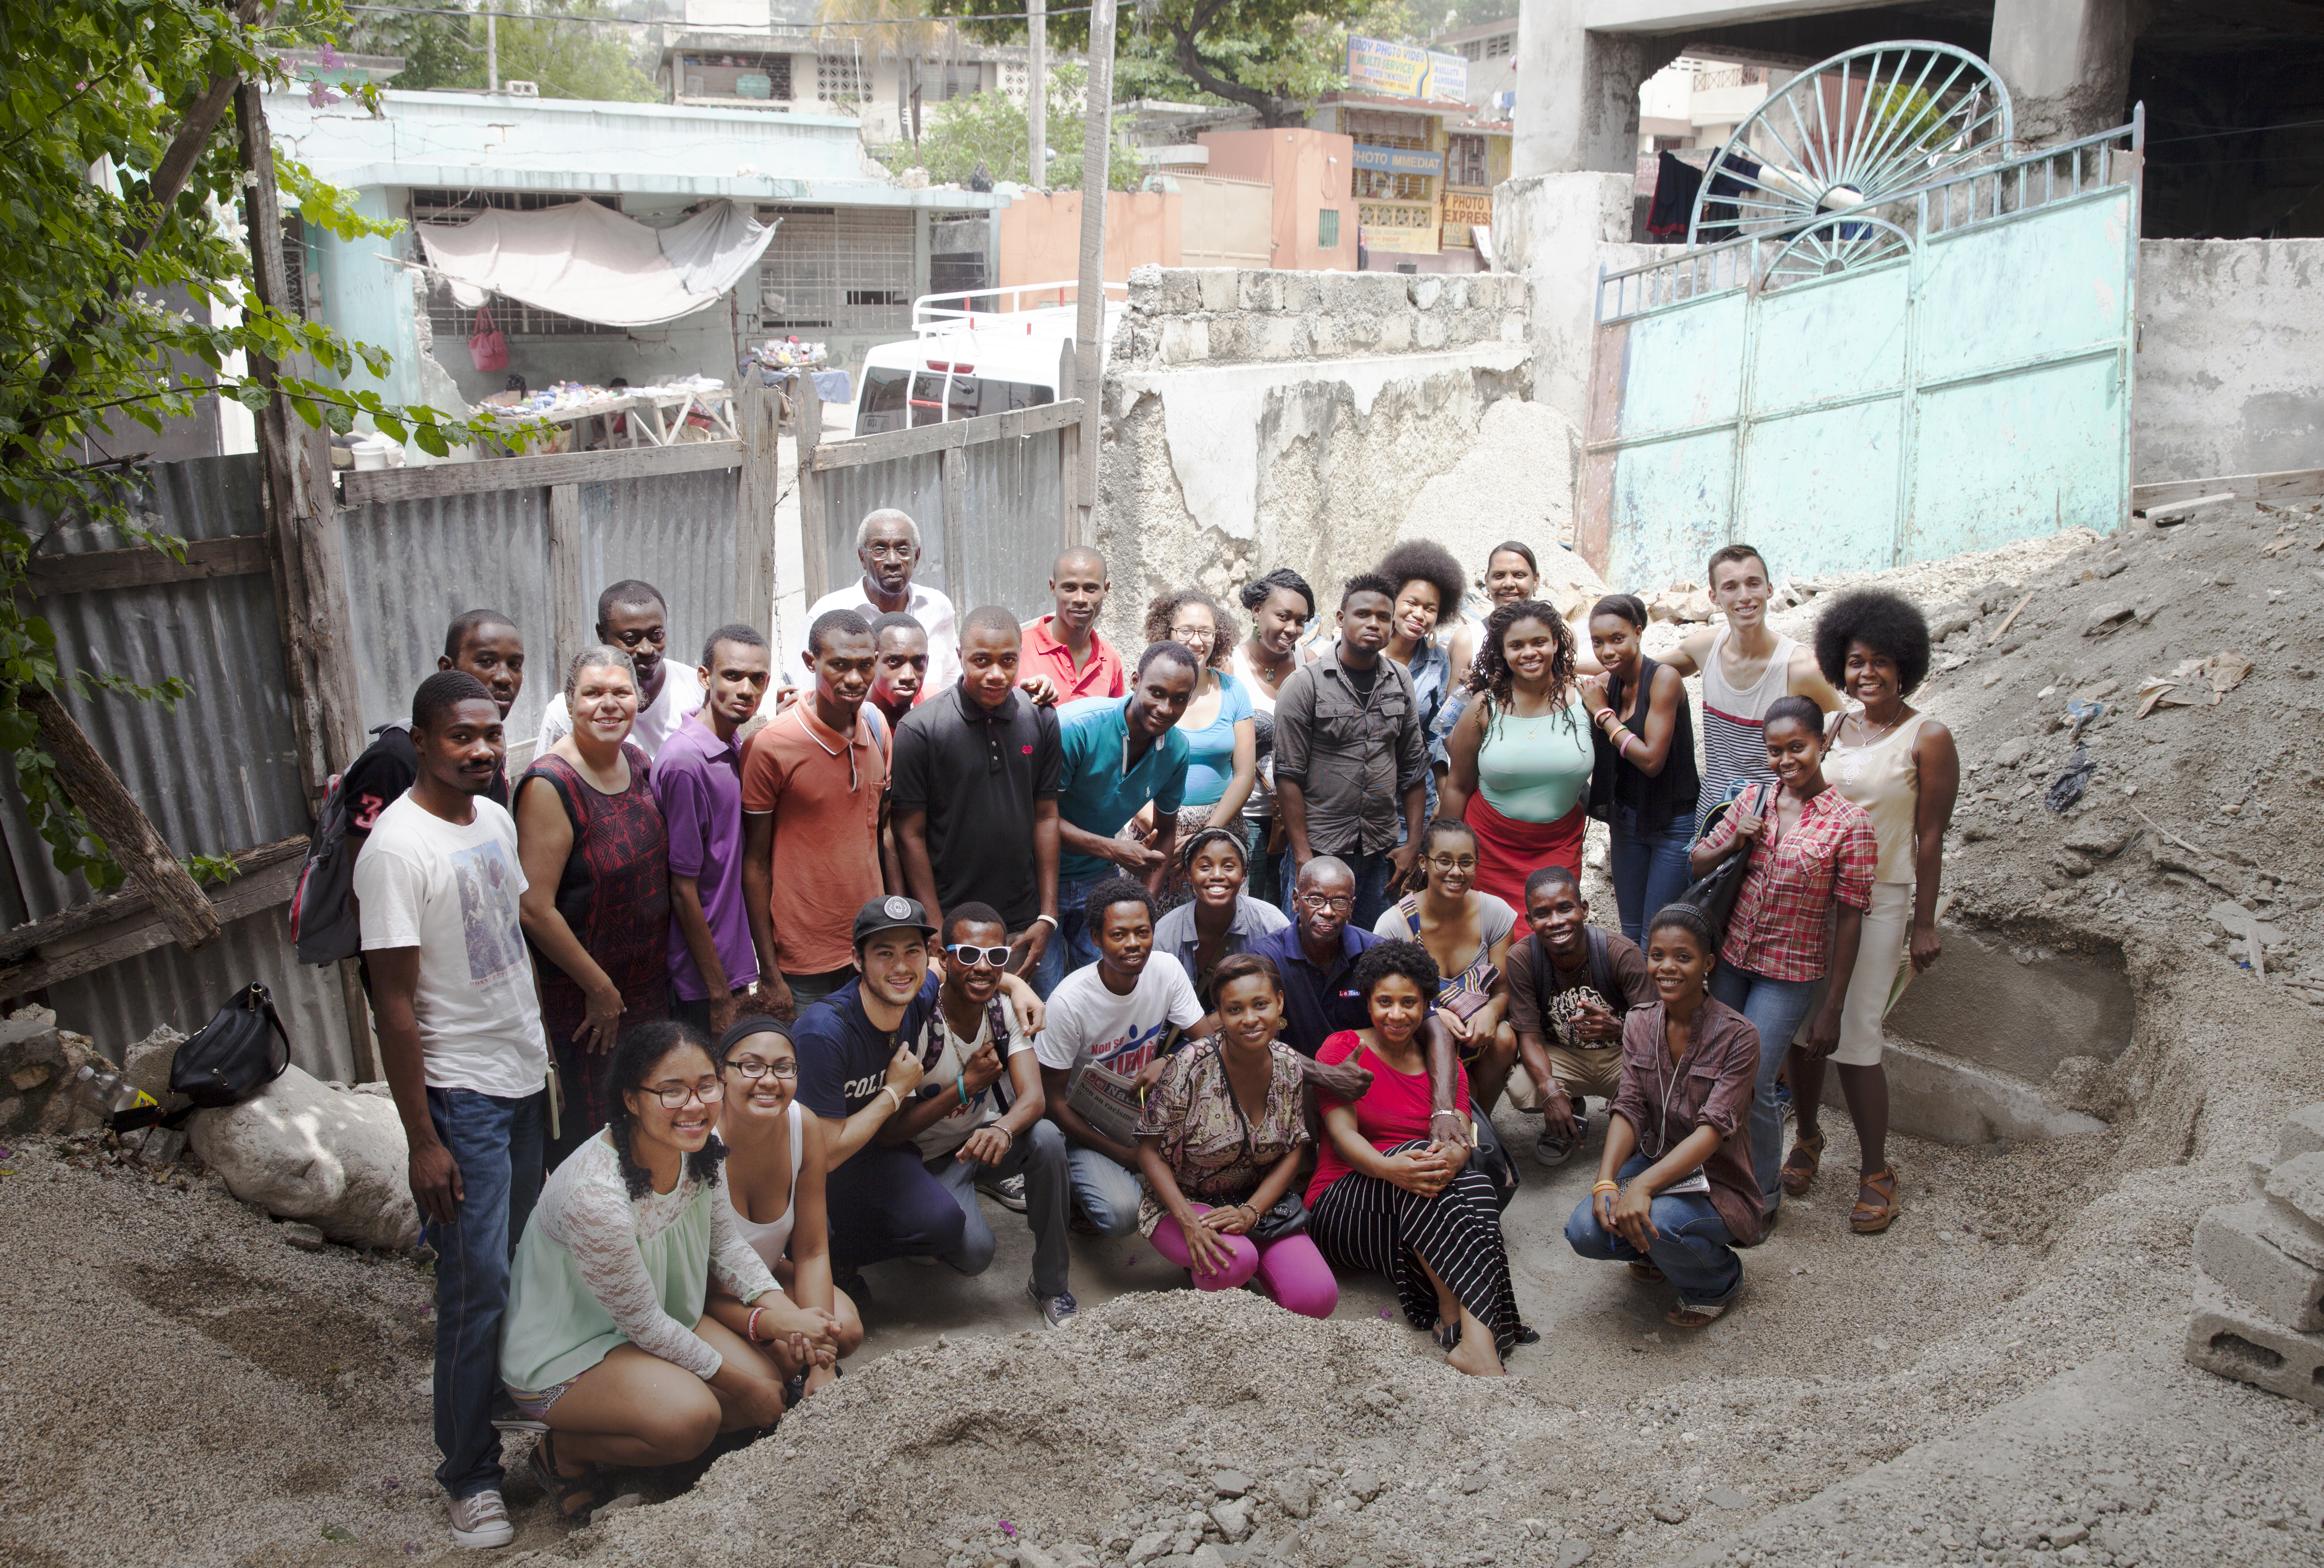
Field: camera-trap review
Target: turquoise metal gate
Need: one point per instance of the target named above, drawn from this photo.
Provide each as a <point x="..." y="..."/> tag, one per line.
<point x="1945" y="369"/>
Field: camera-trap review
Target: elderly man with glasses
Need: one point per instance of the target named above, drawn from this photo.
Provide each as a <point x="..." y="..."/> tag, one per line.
<point x="633" y="616"/>
<point x="888" y="543"/>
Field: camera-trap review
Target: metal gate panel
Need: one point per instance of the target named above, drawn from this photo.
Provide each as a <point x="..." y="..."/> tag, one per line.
<point x="1010" y="498"/>
<point x="1969" y="387"/>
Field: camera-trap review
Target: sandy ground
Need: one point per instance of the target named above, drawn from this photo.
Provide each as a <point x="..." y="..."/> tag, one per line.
<point x="1998" y="1378"/>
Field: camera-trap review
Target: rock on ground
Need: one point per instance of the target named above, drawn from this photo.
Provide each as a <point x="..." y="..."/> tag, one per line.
<point x="306" y="1152"/>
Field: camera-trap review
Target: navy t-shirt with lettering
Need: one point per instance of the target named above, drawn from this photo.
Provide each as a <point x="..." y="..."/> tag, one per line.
<point x="843" y="1058"/>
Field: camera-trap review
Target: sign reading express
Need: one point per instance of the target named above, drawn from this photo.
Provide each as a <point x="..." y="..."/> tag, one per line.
<point x="1398" y="160"/>
<point x="1404" y="71"/>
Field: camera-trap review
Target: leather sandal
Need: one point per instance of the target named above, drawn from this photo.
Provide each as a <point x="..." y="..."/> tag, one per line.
<point x="1800" y="1166"/>
<point x="1645" y="1272"/>
<point x="562" y="1490"/>
<point x="1871" y="1219"/>
<point x="1684" y="1316"/>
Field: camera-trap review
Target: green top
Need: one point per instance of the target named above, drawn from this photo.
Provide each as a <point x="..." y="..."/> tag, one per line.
<point x="1535" y="770"/>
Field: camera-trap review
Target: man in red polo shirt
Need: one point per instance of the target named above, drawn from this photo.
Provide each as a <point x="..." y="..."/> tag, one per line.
<point x="1065" y="649"/>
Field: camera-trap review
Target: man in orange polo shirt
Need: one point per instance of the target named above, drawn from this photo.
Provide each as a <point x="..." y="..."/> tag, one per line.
<point x="1064" y="650"/>
<point x="815" y="785"/>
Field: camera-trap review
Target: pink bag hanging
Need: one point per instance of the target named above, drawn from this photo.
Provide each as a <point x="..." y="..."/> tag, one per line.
<point x="486" y="346"/>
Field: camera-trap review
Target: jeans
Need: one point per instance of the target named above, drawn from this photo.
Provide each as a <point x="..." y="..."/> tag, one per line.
<point x="1692" y="1251"/>
<point x="1071" y="946"/>
<point x="884" y="1204"/>
<point x="1775" y="1008"/>
<point x="1371" y="887"/>
<point x="498" y="1146"/>
<point x="1038" y="1155"/>
<point x="1289" y="1268"/>
<point x="1260" y="884"/>
<point x="1108" y="1193"/>
<point x="1648" y="870"/>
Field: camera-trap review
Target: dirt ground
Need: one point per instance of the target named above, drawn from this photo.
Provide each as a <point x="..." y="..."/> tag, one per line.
<point x="1997" y="1380"/>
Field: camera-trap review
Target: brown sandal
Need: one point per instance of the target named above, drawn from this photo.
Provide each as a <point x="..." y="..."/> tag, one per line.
<point x="1800" y="1174"/>
<point x="1646" y="1272"/>
<point x="1871" y="1219"/>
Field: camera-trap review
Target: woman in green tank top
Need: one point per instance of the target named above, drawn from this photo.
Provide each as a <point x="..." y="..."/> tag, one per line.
<point x="1521" y="752"/>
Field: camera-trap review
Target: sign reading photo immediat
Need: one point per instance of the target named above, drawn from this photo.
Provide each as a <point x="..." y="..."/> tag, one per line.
<point x="1398" y="160"/>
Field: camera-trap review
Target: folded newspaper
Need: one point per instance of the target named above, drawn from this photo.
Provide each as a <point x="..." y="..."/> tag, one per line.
<point x="1109" y="1102"/>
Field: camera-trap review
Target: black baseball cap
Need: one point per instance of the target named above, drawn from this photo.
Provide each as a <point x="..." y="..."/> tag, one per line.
<point x="892" y="913"/>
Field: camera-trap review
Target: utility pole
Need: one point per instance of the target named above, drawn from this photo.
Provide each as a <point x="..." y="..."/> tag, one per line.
<point x="1097" y="144"/>
<point x="491" y="51"/>
<point x="1036" y="95"/>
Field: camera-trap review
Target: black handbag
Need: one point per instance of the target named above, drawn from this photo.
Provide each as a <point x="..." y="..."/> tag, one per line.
<point x="237" y="1053"/>
<point x="1491" y="1156"/>
<point x="1713" y="896"/>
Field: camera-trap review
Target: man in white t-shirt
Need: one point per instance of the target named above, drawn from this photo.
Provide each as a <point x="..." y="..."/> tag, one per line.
<point x="632" y="617"/>
<point x="888" y="543"/>
<point x="460" y="1034"/>
<point x="977" y="1116"/>
<point x="1121" y="1013"/>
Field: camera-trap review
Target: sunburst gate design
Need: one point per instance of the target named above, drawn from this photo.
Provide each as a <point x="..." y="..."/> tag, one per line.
<point x="1857" y="131"/>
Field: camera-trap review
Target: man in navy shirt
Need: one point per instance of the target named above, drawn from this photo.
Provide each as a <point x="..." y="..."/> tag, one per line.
<point x="862" y="1051"/>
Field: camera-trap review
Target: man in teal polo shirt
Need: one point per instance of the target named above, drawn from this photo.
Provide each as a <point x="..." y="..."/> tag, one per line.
<point x="1119" y="752"/>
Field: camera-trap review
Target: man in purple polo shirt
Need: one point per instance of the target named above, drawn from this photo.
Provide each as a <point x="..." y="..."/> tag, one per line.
<point x="697" y="782"/>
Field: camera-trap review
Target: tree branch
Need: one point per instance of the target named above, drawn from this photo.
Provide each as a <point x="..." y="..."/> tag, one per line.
<point x="1274" y="112"/>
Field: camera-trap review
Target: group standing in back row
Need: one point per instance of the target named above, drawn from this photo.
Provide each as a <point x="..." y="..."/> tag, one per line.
<point x="987" y="907"/>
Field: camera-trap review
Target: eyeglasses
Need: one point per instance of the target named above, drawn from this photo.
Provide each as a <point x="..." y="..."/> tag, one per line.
<point x="1192" y="634"/>
<point x="987" y="957"/>
<point x="654" y="634"/>
<point x="1445" y="862"/>
<point x="675" y="1098"/>
<point x="1343" y="904"/>
<point x="750" y="1069"/>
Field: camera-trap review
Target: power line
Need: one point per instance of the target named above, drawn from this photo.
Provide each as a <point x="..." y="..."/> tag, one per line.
<point x="2214" y="136"/>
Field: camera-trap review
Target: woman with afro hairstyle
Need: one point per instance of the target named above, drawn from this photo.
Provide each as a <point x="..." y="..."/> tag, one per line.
<point x="1222" y="739"/>
<point x="1429" y="588"/>
<point x="1901" y="768"/>
<point x="1521" y="754"/>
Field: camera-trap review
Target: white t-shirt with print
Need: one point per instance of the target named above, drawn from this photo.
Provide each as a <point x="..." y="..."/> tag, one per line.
<point x="679" y="699"/>
<point x="942" y="1074"/>
<point x="451" y="891"/>
<point x="1117" y="1032"/>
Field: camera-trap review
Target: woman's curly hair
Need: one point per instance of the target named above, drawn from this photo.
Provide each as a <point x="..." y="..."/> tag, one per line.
<point x="635" y="1054"/>
<point x="1424" y="560"/>
<point x="1491" y="673"/>
<point x="1884" y="621"/>
<point x="1409" y="959"/>
<point x="1165" y="609"/>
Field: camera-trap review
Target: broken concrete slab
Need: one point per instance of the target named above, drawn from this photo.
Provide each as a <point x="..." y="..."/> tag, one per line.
<point x="2238" y="1247"/>
<point x="306" y="1152"/>
<point x="2295" y="1191"/>
<point x="1936" y="1095"/>
<point x="2227" y="1337"/>
<point x="2303" y="1132"/>
<point x="2013" y="1009"/>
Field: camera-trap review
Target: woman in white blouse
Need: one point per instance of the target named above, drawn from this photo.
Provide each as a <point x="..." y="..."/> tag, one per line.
<point x="605" y="1340"/>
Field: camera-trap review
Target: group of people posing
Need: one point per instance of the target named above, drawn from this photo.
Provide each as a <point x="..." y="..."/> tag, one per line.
<point x="1237" y="943"/>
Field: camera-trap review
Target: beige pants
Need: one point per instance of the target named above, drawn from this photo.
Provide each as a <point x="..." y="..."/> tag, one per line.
<point x="1887" y="927"/>
<point x="1597" y="1071"/>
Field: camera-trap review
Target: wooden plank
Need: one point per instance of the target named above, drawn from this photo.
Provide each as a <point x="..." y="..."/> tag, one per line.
<point x="2287" y="484"/>
<point x="1069" y="473"/>
<point x="357" y="1007"/>
<point x="146" y="567"/>
<point x="574" y="621"/>
<point x="815" y="548"/>
<point x="130" y="901"/>
<point x="492" y="474"/>
<point x="243" y="897"/>
<point x="754" y="504"/>
<point x="890" y="444"/>
<point x="954" y="486"/>
<point x="2176" y="509"/>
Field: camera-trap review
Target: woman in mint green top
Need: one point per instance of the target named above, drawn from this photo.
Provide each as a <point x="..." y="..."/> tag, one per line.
<point x="605" y="1339"/>
<point x="1521" y="753"/>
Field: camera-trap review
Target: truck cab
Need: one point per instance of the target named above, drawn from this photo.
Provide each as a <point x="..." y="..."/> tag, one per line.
<point x="969" y="357"/>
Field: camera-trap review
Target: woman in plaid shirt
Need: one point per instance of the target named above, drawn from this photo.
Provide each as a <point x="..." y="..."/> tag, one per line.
<point x="1813" y="857"/>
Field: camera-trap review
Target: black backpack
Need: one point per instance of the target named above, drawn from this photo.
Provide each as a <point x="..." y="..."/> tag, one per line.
<point x="237" y="1053"/>
<point x="323" y="925"/>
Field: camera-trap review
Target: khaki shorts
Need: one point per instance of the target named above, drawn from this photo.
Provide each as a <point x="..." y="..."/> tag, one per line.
<point x="1597" y="1071"/>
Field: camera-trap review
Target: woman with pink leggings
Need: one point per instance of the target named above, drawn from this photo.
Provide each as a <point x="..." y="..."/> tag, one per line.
<point x="1219" y="1146"/>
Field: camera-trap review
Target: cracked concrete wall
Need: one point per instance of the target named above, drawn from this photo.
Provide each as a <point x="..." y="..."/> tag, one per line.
<point x="2231" y="340"/>
<point x="1257" y="420"/>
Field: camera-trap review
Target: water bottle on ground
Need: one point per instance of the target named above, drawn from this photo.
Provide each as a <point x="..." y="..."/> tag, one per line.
<point x="108" y="1094"/>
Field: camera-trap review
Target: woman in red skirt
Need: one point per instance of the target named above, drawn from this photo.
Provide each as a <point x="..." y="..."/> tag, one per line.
<point x="1521" y="752"/>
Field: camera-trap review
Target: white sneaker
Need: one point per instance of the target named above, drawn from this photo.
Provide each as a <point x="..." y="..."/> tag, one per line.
<point x="481" y="1520"/>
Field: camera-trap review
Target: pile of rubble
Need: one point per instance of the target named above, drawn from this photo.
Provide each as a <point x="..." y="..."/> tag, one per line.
<point x="2259" y="1283"/>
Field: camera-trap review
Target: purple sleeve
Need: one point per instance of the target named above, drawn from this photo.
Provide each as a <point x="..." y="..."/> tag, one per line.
<point x="678" y="791"/>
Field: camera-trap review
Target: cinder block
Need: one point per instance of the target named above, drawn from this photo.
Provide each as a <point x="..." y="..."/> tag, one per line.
<point x="1324" y="336"/>
<point x="1218" y="285"/>
<point x="1431" y="331"/>
<point x="1278" y="337"/>
<point x="2227" y="1338"/>
<point x="2237" y="1247"/>
<point x="2303" y="1132"/>
<point x="1186" y="339"/>
<point x="2297" y="1184"/>
<point x="1299" y="293"/>
<point x="1513" y="327"/>
<point x="1256" y="291"/>
<point x="1182" y="291"/>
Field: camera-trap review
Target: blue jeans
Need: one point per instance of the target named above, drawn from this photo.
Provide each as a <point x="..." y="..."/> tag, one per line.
<point x="1108" y="1194"/>
<point x="1071" y="946"/>
<point x="499" y="1146"/>
<point x="1648" y="870"/>
<point x="1038" y="1155"/>
<point x="1371" y="887"/>
<point x="884" y="1204"/>
<point x="1694" y="1251"/>
<point x="1775" y="1007"/>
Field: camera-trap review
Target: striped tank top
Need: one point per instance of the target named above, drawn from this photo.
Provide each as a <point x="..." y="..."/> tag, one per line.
<point x="1734" y="749"/>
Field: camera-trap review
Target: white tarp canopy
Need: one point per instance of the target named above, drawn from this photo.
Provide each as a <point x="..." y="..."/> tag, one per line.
<point x="586" y="261"/>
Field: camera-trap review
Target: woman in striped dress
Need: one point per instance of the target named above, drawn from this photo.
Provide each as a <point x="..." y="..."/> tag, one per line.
<point x="1387" y="1199"/>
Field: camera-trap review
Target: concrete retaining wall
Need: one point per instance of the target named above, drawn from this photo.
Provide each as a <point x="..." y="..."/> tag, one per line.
<point x="2231" y="358"/>
<point x="1223" y="316"/>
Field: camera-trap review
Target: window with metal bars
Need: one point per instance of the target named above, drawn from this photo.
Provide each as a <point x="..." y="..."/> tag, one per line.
<point x="1380" y="185"/>
<point x="1385" y="130"/>
<point x="1464" y="160"/>
<point x="845" y="268"/>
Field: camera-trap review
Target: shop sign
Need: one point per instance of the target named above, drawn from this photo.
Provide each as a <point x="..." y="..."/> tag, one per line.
<point x="1398" y="160"/>
<point x="1403" y="71"/>
<point x="1466" y="207"/>
<point x="1406" y="242"/>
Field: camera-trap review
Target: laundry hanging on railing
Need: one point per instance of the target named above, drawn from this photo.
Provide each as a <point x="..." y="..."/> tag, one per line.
<point x="586" y="261"/>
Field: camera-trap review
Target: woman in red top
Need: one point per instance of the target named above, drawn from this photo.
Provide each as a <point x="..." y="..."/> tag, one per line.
<point x="1386" y="1199"/>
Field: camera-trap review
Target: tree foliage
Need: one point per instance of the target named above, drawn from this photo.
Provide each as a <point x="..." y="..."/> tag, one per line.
<point x="568" y="59"/>
<point x="122" y="309"/>
<point x="990" y="128"/>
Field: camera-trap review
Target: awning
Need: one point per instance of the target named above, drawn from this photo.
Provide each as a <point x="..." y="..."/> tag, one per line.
<point x="586" y="261"/>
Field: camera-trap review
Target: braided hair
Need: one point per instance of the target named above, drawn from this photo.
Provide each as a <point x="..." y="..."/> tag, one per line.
<point x="1490" y="673"/>
<point x="635" y="1055"/>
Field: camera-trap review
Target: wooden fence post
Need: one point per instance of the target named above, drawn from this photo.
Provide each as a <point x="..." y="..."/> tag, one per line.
<point x="576" y="622"/>
<point x="815" y="548"/>
<point x="954" y="486"/>
<point x="755" y="490"/>
<point x="1097" y="161"/>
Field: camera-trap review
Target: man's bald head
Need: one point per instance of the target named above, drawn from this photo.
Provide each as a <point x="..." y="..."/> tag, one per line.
<point x="1324" y="898"/>
<point x="1327" y="874"/>
<point x="1079" y="560"/>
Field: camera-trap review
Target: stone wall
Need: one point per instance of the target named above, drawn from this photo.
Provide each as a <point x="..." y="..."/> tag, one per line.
<point x="1256" y="419"/>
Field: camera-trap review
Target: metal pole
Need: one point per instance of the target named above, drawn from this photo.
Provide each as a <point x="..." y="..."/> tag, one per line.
<point x="1097" y="142"/>
<point x="1036" y="96"/>
<point x="492" y="53"/>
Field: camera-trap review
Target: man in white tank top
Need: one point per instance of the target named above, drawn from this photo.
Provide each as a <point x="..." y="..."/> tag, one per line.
<point x="1745" y="667"/>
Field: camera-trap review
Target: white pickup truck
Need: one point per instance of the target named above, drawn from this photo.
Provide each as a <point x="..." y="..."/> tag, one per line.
<point x="983" y="351"/>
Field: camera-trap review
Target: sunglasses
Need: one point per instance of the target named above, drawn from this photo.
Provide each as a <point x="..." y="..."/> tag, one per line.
<point x="988" y="957"/>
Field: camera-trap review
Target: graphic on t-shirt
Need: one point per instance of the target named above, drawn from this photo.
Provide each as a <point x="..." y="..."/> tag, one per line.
<point x="488" y="918"/>
<point x="1129" y="1054"/>
<point x="1566" y="1006"/>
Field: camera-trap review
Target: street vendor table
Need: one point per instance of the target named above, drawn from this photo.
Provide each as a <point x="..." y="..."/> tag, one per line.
<point x="642" y="417"/>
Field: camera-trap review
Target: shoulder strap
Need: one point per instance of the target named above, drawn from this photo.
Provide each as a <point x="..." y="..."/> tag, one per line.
<point x="1601" y="971"/>
<point x="1409" y="906"/>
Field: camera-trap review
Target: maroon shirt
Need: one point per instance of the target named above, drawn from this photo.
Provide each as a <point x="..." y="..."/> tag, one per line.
<point x="1710" y="1087"/>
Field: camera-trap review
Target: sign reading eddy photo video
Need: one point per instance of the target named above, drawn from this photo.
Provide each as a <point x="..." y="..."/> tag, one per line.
<point x="1402" y="70"/>
<point x="1398" y="160"/>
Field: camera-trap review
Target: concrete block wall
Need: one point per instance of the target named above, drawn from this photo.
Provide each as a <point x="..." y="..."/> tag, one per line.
<point x="2259" y="1291"/>
<point x="1184" y="316"/>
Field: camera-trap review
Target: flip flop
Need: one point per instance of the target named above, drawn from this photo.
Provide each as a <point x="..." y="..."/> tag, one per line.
<point x="562" y="1490"/>
<point x="1687" y="1315"/>
<point x="1645" y="1272"/>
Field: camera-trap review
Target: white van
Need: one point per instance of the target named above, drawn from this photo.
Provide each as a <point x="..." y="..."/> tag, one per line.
<point x="1012" y="351"/>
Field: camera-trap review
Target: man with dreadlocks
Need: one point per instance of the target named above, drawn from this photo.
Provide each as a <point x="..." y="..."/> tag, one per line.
<point x="1521" y="752"/>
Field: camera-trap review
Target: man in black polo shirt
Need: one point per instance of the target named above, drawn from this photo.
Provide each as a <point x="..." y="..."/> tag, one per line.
<point x="974" y="793"/>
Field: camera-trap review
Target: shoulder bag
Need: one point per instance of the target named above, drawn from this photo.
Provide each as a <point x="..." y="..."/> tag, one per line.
<point x="1713" y="897"/>
<point x="237" y="1053"/>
